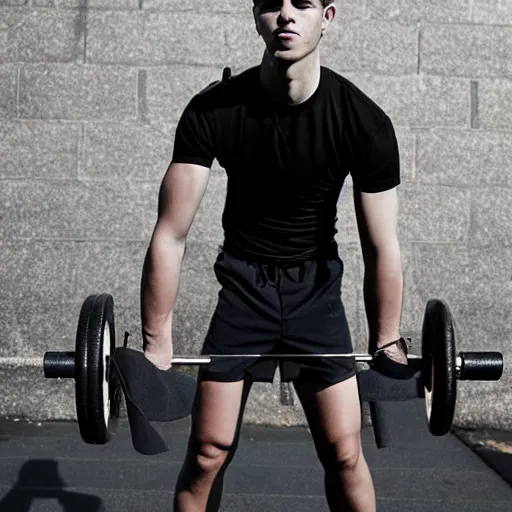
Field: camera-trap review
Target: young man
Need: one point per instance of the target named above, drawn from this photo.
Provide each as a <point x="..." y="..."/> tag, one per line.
<point x="287" y="132"/>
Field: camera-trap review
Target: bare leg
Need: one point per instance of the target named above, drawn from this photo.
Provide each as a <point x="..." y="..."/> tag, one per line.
<point x="213" y="440"/>
<point x="334" y="417"/>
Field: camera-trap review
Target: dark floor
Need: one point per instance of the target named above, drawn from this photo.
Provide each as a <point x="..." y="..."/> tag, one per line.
<point x="47" y="468"/>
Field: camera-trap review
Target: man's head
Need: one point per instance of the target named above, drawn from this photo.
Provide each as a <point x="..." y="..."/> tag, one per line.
<point x="292" y="29"/>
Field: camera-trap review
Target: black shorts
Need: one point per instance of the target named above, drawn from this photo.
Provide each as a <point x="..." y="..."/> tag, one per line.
<point x="278" y="308"/>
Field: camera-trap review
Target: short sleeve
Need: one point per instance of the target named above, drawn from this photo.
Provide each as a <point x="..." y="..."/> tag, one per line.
<point x="194" y="139"/>
<point x="378" y="169"/>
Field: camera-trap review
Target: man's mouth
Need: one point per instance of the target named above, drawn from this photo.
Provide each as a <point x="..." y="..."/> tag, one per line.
<point x="284" y="33"/>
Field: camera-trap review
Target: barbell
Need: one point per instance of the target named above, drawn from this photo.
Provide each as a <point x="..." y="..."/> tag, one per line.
<point x="98" y="379"/>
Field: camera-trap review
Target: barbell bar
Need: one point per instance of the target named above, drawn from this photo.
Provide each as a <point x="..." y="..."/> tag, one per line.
<point x="98" y="391"/>
<point x="62" y="364"/>
<point x="468" y="365"/>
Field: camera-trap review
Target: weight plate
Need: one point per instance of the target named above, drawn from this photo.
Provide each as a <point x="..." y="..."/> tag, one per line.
<point x="439" y="374"/>
<point x="101" y="346"/>
<point x="81" y="357"/>
<point x="96" y="390"/>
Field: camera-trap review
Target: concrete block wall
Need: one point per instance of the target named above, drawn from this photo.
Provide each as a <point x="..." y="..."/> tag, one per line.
<point x="90" y="94"/>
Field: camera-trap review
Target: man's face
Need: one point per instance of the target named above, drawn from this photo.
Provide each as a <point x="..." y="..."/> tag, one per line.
<point x="291" y="29"/>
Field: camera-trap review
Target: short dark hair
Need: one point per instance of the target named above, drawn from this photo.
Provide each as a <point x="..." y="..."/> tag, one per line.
<point x="325" y="3"/>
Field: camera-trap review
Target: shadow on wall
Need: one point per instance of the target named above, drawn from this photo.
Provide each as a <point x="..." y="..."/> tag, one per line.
<point x="40" y="480"/>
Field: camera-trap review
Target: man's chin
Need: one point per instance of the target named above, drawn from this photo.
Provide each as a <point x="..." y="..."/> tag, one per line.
<point x="286" y="55"/>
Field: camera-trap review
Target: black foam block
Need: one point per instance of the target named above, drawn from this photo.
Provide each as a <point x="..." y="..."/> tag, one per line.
<point x="151" y="395"/>
<point x="393" y="404"/>
<point x="398" y="424"/>
<point x="161" y="395"/>
<point x="374" y="387"/>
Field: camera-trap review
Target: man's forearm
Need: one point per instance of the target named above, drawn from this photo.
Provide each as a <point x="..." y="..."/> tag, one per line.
<point x="383" y="294"/>
<point x="159" y="286"/>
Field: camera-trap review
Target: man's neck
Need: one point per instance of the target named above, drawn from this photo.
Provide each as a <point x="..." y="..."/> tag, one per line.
<point x="290" y="84"/>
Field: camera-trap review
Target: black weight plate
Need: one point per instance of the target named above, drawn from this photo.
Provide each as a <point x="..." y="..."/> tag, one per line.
<point x="81" y="361"/>
<point x="101" y="347"/>
<point x="439" y="374"/>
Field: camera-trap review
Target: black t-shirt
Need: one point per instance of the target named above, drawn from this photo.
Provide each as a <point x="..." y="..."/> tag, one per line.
<point x="285" y="164"/>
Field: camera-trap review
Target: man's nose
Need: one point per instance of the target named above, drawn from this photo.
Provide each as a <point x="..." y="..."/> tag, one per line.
<point x="286" y="12"/>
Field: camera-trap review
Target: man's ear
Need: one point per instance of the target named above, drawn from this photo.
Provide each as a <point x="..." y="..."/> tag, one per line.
<point x="329" y="15"/>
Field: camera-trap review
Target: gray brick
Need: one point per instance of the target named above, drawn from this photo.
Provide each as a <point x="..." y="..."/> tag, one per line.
<point x="420" y="10"/>
<point x="127" y="151"/>
<point x="90" y="4"/>
<point x="350" y="9"/>
<point x="467" y="50"/>
<point x="150" y="38"/>
<point x="464" y="159"/>
<point x="475" y="282"/>
<point x="418" y="101"/>
<point x="170" y="89"/>
<point x="118" y="37"/>
<point x="52" y="279"/>
<point x="497" y="12"/>
<point x="8" y="81"/>
<point x="407" y="150"/>
<point x="38" y="150"/>
<point x="36" y="35"/>
<point x="78" y="92"/>
<point x="244" y="47"/>
<point x="8" y="47"/>
<point x="113" y="4"/>
<point x="495" y="110"/>
<point x="75" y="210"/>
<point x="208" y="6"/>
<point x="374" y="46"/>
<point x="491" y="214"/>
<point x="433" y="214"/>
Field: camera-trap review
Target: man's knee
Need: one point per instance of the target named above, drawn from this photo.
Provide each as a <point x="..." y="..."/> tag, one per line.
<point x="209" y="456"/>
<point x="341" y="455"/>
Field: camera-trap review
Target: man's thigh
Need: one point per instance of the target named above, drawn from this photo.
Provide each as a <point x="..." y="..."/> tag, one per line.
<point x="334" y="415"/>
<point x="217" y="412"/>
<point x="335" y="409"/>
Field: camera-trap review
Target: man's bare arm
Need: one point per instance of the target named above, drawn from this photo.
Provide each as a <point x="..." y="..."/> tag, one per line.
<point x="181" y="192"/>
<point x="376" y="216"/>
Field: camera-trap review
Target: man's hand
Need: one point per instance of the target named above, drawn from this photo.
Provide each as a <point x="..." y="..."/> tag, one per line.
<point x="158" y="351"/>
